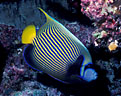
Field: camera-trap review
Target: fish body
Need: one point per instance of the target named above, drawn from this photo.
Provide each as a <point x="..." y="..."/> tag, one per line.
<point x="57" y="52"/>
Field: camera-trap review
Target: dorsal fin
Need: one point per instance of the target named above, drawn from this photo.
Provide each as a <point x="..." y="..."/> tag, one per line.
<point x="46" y="15"/>
<point x="49" y="21"/>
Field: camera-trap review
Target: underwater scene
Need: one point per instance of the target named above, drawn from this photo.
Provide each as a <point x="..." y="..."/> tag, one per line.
<point x="60" y="47"/>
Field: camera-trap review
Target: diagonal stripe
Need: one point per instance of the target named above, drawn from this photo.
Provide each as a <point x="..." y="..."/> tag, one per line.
<point x="37" y="59"/>
<point x="55" y="45"/>
<point x="57" y="64"/>
<point x="55" y="49"/>
<point x="72" y="44"/>
<point x="59" y="46"/>
<point x="62" y="45"/>
<point x="50" y="48"/>
<point x="43" y="62"/>
<point x="72" y="41"/>
<point x="49" y="60"/>
<point x="40" y="53"/>
<point x="65" y="44"/>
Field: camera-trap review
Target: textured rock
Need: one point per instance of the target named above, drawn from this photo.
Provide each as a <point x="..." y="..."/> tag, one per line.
<point x="21" y="13"/>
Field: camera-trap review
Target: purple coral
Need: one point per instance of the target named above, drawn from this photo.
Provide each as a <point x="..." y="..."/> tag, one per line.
<point x="83" y="33"/>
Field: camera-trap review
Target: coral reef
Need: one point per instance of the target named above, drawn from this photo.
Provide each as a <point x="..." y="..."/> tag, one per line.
<point x="18" y="79"/>
<point x="83" y="33"/>
<point x="106" y="16"/>
<point x="107" y="37"/>
<point x="113" y="66"/>
<point x="103" y="41"/>
<point x="9" y="36"/>
<point x="29" y="88"/>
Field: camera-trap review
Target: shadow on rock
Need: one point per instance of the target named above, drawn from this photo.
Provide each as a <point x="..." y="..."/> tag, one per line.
<point x="95" y="88"/>
<point x="3" y="57"/>
<point x="67" y="14"/>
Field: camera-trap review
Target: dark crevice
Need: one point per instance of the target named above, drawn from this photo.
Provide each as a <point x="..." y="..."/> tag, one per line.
<point x="65" y="14"/>
<point x="9" y="1"/>
<point x="3" y="58"/>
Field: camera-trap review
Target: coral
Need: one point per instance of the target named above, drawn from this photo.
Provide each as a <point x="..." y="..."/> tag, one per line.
<point x="106" y="17"/>
<point x="97" y="9"/>
<point x="9" y="36"/>
<point x="14" y="80"/>
<point x="83" y="33"/>
<point x="18" y="79"/>
<point x="112" y="67"/>
<point x="33" y="88"/>
<point x="113" y="45"/>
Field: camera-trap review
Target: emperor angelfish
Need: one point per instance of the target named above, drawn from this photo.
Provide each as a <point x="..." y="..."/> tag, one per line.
<point x="56" y="51"/>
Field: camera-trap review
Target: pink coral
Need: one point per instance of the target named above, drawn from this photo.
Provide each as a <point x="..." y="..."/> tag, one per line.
<point x="106" y="16"/>
<point x="96" y="9"/>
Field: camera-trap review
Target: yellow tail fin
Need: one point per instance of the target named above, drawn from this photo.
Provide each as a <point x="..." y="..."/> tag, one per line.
<point x="29" y="33"/>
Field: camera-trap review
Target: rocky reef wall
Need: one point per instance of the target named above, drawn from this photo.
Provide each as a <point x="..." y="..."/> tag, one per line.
<point x="21" y="13"/>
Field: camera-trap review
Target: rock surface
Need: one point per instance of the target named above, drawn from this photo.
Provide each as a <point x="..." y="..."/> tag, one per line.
<point x="21" y="13"/>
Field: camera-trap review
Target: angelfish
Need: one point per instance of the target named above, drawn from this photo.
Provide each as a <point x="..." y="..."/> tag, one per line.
<point x="55" y="51"/>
